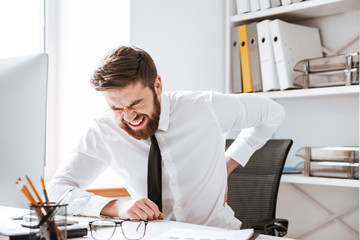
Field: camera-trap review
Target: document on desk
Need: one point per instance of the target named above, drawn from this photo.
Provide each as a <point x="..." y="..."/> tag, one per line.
<point x="193" y="234"/>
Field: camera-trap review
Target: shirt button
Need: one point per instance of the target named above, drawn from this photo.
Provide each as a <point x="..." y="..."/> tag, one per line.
<point x="173" y="184"/>
<point x="177" y="208"/>
<point x="167" y="160"/>
<point x="159" y="140"/>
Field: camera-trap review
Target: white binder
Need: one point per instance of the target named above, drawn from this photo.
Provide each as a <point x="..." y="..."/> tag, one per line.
<point x="286" y="2"/>
<point x="292" y="43"/>
<point x="254" y="5"/>
<point x="269" y="74"/>
<point x="275" y="3"/>
<point x="254" y="57"/>
<point x="243" y="6"/>
<point x="264" y="4"/>
<point x="235" y="62"/>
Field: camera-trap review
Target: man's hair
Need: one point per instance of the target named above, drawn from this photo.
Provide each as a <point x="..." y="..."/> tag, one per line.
<point x="124" y="66"/>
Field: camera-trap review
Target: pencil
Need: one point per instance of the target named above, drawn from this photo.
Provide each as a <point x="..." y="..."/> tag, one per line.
<point x="28" y="195"/>
<point x="44" y="190"/>
<point x="31" y="199"/>
<point x="34" y="190"/>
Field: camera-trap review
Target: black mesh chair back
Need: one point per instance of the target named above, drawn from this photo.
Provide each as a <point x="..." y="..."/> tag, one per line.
<point x="253" y="189"/>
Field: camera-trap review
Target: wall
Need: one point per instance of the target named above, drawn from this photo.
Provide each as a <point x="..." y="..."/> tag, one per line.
<point x="185" y="38"/>
<point x="80" y="33"/>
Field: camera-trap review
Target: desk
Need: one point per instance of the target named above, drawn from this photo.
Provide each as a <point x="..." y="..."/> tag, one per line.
<point x="154" y="228"/>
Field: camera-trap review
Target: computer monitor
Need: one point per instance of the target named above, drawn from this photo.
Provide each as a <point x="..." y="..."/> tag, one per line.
<point x="23" y="91"/>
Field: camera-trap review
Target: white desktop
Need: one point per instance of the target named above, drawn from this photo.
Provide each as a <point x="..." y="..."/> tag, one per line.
<point x="23" y="91"/>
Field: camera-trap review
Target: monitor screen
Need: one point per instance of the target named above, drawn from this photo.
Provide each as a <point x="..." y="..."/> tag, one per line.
<point x="23" y="91"/>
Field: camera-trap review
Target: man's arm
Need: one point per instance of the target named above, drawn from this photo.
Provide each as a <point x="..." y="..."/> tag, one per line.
<point x="231" y="164"/>
<point x="142" y="208"/>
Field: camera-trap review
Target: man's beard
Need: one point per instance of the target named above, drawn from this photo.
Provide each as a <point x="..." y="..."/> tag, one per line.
<point x="151" y="125"/>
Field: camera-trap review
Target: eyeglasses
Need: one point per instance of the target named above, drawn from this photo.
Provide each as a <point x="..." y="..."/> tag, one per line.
<point x="105" y="229"/>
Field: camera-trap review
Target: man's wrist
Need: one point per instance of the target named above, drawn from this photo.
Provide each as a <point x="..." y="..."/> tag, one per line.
<point x="110" y="209"/>
<point x="231" y="164"/>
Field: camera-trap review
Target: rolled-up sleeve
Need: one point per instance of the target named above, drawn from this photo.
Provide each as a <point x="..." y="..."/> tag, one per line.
<point x="256" y="117"/>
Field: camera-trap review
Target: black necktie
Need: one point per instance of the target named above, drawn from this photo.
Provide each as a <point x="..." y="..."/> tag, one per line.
<point x="154" y="173"/>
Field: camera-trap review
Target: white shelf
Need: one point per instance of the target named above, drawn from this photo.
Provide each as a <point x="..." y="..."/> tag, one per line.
<point x="335" y="182"/>
<point x="298" y="11"/>
<point x="311" y="92"/>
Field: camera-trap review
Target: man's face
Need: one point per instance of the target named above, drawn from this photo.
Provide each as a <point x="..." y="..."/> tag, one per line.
<point x="136" y="108"/>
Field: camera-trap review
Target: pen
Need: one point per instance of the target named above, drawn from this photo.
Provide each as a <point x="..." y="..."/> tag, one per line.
<point x="44" y="190"/>
<point x="51" y="213"/>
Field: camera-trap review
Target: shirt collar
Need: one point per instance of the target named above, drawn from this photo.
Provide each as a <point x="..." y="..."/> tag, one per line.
<point x="165" y="112"/>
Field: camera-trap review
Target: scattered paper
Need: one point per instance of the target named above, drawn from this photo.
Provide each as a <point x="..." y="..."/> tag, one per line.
<point x="191" y="234"/>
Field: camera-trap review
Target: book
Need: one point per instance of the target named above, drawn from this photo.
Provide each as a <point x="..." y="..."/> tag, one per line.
<point x="243" y="6"/>
<point x="292" y="43"/>
<point x="269" y="74"/>
<point x="254" y="56"/>
<point x="235" y="61"/>
<point x="245" y="60"/>
<point x="17" y="232"/>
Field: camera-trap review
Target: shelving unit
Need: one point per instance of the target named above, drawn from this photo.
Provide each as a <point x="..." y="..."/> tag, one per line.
<point x="335" y="182"/>
<point x="329" y="91"/>
<point x="298" y="11"/>
<point x="315" y="117"/>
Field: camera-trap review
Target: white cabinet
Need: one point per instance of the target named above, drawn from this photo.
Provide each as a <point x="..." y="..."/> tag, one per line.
<point x="318" y="208"/>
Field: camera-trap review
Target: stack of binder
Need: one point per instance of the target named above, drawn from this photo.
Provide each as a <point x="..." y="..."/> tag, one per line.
<point x="245" y="6"/>
<point x="338" y="70"/>
<point x="336" y="162"/>
<point x="264" y="54"/>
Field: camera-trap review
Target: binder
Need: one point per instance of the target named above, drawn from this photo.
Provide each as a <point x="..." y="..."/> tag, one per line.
<point x="235" y="61"/>
<point x="275" y="3"/>
<point x="286" y="2"/>
<point x="245" y="60"/>
<point x="254" y="56"/>
<point x="254" y="5"/>
<point x="292" y="43"/>
<point x="243" y="6"/>
<point x="264" y="4"/>
<point x="269" y="74"/>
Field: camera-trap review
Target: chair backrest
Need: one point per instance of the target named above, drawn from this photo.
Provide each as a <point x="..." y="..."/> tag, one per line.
<point x="253" y="189"/>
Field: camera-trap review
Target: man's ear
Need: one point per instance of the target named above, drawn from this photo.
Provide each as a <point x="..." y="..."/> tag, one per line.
<point x="158" y="86"/>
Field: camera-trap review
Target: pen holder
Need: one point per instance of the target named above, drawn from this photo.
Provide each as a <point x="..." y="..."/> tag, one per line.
<point x="47" y="224"/>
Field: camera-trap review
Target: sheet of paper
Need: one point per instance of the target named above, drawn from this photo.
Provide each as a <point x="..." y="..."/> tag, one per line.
<point x="192" y="234"/>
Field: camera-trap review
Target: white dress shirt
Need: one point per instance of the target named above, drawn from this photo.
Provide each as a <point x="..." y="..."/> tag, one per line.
<point x="191" y="137"/>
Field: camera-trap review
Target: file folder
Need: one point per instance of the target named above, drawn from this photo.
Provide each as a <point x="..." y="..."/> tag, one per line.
<point x="235" y="61"/>
<point x="292" y="43"/>
<point x="254" y="56"/>
<point x="269" y="74"/>
<point x="245" y="60"/>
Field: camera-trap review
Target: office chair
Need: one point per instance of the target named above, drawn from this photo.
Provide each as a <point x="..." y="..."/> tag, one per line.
<point x="253" y="189"/>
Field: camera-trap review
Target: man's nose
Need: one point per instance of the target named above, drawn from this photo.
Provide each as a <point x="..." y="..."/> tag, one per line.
<point x="129" y="115"/>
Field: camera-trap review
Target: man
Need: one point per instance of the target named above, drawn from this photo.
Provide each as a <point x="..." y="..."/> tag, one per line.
<point x="189" y="128"/>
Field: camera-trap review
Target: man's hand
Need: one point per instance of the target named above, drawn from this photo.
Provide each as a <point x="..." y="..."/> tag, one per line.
<point x="225" y="198"/>
<point x="231" y="164"/>
<point x="142" y="208"/>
